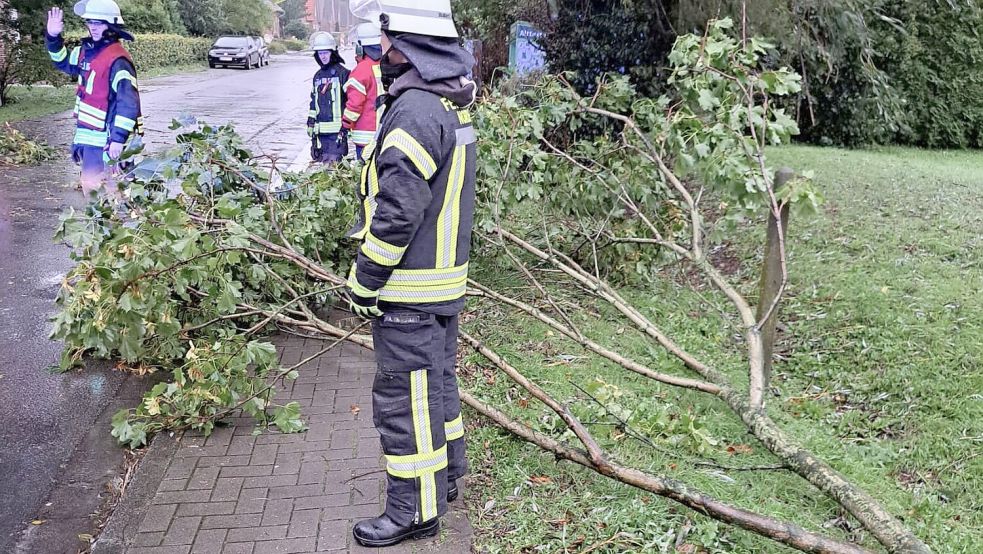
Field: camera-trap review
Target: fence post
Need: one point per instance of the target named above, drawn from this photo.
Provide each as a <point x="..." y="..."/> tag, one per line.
<point x="771" y="276"/>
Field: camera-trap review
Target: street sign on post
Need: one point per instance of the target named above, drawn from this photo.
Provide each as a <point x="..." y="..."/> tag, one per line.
<point x="526" y="55"/>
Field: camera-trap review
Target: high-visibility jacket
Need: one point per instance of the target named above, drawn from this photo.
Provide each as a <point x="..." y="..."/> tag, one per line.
<point x="107" y="104"/>
<point x="328" y="98"/>
<point x="362" y="88"/>
<point x="417" y="195"/>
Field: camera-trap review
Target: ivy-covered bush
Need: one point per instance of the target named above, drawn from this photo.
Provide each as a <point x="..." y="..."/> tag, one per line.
<point x="936" y="64"/>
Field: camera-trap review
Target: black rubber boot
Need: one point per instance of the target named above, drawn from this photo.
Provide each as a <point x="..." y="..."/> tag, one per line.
<point x="383" y="531"/>
<point x="452" y="492"/>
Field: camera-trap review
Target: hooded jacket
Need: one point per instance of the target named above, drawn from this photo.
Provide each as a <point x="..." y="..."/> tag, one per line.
<point x="417" y="195"/>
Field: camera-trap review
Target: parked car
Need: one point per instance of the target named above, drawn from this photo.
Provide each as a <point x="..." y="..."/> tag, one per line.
<point x="239" y="51"/>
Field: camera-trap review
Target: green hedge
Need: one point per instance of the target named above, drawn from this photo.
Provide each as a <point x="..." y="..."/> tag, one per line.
<point x="155" y="51"/>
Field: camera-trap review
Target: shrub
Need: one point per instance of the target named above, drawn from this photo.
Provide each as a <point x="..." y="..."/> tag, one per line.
<point x="277" y="47"/>
<point x="155" y="51"/>
<point x="294" y="45"/>
<point x="297" y="29"/>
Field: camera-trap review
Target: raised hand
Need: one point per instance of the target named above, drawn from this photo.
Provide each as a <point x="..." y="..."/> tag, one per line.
<point x="56" y="21"/>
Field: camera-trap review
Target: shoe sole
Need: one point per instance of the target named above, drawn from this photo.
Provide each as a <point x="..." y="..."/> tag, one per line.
<point x="418" y="534"/>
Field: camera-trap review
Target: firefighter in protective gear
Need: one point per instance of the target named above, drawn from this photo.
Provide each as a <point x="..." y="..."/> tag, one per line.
<point x="107" y="107"/>
<point x="363" y="88"/>
<point x="417" y="195"/>
<point x="329" y="141"/>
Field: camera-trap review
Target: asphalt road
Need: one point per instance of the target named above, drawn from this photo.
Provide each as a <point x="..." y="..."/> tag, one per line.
<point x="45" y="416"/>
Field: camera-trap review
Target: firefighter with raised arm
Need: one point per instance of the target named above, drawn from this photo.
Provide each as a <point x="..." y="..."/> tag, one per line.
<point x="417" y="197"/>
<point x="107" y="107"/>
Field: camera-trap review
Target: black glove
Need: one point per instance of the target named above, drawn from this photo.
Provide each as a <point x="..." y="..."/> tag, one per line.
<point x="343" y="136"/>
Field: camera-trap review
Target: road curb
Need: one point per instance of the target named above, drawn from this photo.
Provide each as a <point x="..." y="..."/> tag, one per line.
<point x="129" y="513"/>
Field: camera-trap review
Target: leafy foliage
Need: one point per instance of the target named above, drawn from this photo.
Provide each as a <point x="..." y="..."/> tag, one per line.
<point x="703" y="133"/>
<point x="155" y="51"/>
<point x="210" y="18"/>
<point x="936" y="64"/>
<point x="185" y="289"/>
<point x="155" y="294"/>
<point x="16" y="149"/>
<point x="152" y="16"/>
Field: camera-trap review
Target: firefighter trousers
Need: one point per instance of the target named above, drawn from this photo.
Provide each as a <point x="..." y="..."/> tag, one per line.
<point x="417" y="411"/>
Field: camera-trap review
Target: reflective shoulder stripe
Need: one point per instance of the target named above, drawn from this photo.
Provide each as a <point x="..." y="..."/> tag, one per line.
<point x="353" y="83"/>
<point x="76" y="54"/>
<point x="409" y="146"/>
<point x="58" y="56"/>
<point x="124" y="75"/>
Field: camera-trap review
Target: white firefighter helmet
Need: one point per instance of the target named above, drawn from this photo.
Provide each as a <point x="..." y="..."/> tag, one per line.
<point x="369" y="34"/>
<point x="323" y="40"/>
<point x="100" y="10"/>
<point x="421" y="17"/>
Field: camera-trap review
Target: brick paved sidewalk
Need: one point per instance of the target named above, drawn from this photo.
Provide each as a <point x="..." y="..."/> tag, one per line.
<point x="235" y="493"/>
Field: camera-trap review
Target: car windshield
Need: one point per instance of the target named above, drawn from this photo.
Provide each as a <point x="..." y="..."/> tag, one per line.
<point x="232" y="42"/>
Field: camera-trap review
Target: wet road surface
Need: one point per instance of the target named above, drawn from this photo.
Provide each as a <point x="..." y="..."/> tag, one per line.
<point x="45" y="416"/>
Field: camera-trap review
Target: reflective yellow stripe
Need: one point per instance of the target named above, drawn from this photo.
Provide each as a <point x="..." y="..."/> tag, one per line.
<point x="409" y="146"/>
<point x="312" y="113"/>
<point x="420" y="406"/>
<point x="88" y="137"/>
<point x="381" y="252"/>
<point x="454" y="429"/>
<point x="353" y="83"/>
<point x="74" y="58"/>
<point x="125" y="123"/>
<point x="327" y="128"/>
<point x="414" y="465"/>
<point x="357" y="287"/>
<point x="370" y="188"/>
<point x="336" y="100"/>
<point x="415" y="286"/>
<point x="91" y="83"/>
<point x="58" y="56"/>
<point x="90" y="120"/>
<point x="124" y="76"/>
<point x="450" y="213"/>
<point x="91" y="110"/>
<point x="362" y="138"/>
<point x="352" y="116"/>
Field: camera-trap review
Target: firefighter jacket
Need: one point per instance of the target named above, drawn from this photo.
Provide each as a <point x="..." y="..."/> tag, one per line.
<point x="362" y="89"/>
<point x="328" y="98"/>
<point x="417" y="195"/>
<point x="107" y="104"/>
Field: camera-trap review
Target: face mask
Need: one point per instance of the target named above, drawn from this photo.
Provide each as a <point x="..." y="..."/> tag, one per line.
<point x="392" y="71"/>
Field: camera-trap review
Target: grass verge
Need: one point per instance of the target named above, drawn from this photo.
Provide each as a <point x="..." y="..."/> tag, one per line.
<point x="878" y="371"/>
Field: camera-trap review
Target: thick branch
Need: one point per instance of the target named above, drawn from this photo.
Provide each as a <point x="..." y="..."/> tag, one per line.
<point x="610" y="355"/>
<point x="780" y="531"/>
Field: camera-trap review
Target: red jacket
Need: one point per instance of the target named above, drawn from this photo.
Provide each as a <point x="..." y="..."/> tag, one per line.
<point x="363" y="88"/>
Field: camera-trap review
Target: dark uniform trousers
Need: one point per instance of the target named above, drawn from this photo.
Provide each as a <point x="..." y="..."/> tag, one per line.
<point x="417" y="411"/>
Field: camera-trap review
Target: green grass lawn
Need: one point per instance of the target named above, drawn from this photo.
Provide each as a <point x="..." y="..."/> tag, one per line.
<point x="29" y="102"/>
<point x="878" y="372"/>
